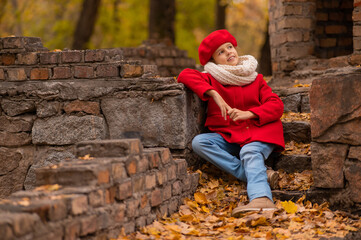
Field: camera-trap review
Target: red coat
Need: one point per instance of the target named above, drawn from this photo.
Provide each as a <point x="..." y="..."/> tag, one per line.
<point x="256" y="97"/>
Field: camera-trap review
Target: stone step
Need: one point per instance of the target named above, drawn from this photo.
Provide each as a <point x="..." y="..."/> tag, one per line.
<point x="290" y="163"/>
<point x="298" y="131"/>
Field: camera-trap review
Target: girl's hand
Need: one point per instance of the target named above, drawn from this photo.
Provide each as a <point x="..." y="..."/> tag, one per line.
<point x="236" y="114"/>
<point x="223" y="106"/>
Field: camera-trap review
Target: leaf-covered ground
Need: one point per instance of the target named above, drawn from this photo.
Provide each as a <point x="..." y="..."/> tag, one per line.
<point x="207" y="215"/>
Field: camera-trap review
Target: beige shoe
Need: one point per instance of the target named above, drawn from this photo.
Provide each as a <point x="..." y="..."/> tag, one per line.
<point x="273" y="178"/>
<point x="257" y="204"/>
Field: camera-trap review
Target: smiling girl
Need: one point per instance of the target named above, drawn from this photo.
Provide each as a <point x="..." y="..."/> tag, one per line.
<point x="243" y="116"/>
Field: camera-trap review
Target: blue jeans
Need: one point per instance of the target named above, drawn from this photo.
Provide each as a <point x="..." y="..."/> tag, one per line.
<point x="246" y="163"/>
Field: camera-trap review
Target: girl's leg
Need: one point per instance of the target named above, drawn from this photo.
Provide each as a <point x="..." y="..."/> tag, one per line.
<point x="213" y="148"/>
<point x="253" y="156"/>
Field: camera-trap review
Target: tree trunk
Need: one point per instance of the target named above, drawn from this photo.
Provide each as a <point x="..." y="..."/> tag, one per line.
<point x="161" y="21"/>
<point x="221" y="14"/>
<point x="265" y="64"/>
<point x="86" y="23"/>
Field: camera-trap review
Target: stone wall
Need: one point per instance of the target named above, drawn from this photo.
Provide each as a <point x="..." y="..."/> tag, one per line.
<point x="336" y="135"/>
<point x="122" y="187"/>
<point x="49" y="101"/>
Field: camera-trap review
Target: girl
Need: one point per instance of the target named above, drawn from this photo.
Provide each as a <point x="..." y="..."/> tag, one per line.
<point x="243" y="116"/>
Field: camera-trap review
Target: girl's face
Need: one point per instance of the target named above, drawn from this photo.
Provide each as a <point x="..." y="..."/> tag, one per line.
<point x="226" y="54"/>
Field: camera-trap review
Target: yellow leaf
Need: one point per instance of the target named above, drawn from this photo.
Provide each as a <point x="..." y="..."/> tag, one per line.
<point x="86" y="157"/>
<point x="205" y="209"/>
<point x="289" y="206"/>
<point x="192" y="204"/>
<point x="173" y="228"/>
<point x="186" y="218"/>
<point x="200" y="198"/>
<point x="262" y="221"/>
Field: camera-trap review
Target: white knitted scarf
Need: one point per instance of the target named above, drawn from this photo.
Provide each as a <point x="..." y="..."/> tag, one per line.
<point x="242" y="74"/>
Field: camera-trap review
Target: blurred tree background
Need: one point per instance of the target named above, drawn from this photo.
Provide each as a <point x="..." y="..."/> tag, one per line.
<point x="126" y="23"/>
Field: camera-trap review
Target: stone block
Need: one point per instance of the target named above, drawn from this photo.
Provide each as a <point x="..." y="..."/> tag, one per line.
<point x="150" y="182"/>
<point x="62" y="73"/>
<point x="181" y="168"/>
<point x="327" y="164"/>
<point x="49" y="57"/>
<point x="58" y="210"/>
<point x="140" y="222"/>
<point x="172" y="172"/>
<point x="298" y="131"/>
<point x="353" y="176"/>
<point x="16" y="124"/>
<point x="88" y="225"/>
<point x="143" y="164"/>
<point x="127" y="71"/>
<point x="27" y="58"/>
<point x="110" y="195"/>
<point x="8" y="139"/>
<point x="132" y="208"/>
<point x="176" y="188"/>
<point x="14" y="108"/>
<point x="293" y="163"/>
<point x="138" y="184"/>
<point x="39" y="74"/>
<point x="63" y="130"/>
<point x="83" y="72"/>
<point x="96" y="55"/>
<point x="118" y="172"/>
<point x="107" y="70"/>
<point x="292" y="103"/>
<point x="48" y="109"/>
<point x="124" y="190"/>
<point x="119" y="213"/>
<point x="2" y="74"/>
<point x="131" y="165"/>
<point x="7" y="59"/>
<point x="165" y="155"/>
<point x="14" y="225"/>
<point x="78" y="204"/>
<point x="109" y="148"/>
<point x="162" y="176"/>
<point x="335" y="114"/>
<point x="357" y="31"/>
<point x="173" y="205"/>
<point x="16" y="74"/>
<point x="82" y="106"/>
<point x="294" y="23"/>
<point x="72" y="230"/>
<point x="155" y="198"/>
<point x="71" y="56"/>
<point x="355" y="153"/>
<point x="153" y="158"/>
<point x="97" y="198"/>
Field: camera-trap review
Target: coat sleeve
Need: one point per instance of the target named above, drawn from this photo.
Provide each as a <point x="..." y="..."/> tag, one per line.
<point x="196" y="81"/>
<point x="271" y="108"/>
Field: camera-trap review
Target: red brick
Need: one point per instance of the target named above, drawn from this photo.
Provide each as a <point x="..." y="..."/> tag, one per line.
<point x="61" y="73"/>
<point x="320" y="16"/>
<point x="118" y="172"/>
<point x="150" y="181"/>
<point x="16" y="74"/>
<point x="2" y="74"/>
<point x="124" y="190"/>
<point x="110" y="195"/>
<point x="7" y="59"/>
<point x="295" y="36"/>
<point x="83" y="72"/>
<point x="132" y="208"/>
<point x="27" y="58"/>
<point x="82" y="106"/>
<point x="131" y="166"/>
<point x="39" y="73"/>
<point x="71" y="56"/>
<point x="50" y="58"/>
<point x="328" y="42"/>
<point x="156" y="198"/>
<point x="335" y="29"/>
<point x="97" y="55"/>
<point x="128" y="70"/>
<point x="356" y="17"/>
<point x="107" y="71"/>
<point x="292" y="10"/>
<point x="357" y="31"/>
<point x="88" y="225"/>
<point x="336" y="16"/>
<point x="172" y="172"/>
<point x="304" y="23"/>
<point x="97" y="198"/>
<point x="138" y="184"/>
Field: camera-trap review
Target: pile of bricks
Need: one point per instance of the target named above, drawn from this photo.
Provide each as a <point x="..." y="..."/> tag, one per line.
<point x="113" y="186"/>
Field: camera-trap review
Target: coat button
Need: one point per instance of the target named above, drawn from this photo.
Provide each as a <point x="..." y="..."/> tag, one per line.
<point x="247" y="127"/>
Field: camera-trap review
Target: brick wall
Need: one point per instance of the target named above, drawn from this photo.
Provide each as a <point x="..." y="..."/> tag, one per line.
<point x="49" y="101"/>
<point x="120" y="188"/>
<point x="333" y="28"/>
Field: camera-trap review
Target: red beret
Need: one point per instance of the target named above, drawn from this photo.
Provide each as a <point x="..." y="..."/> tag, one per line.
<point x="212" y="42"/>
